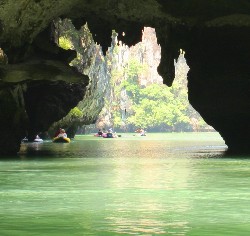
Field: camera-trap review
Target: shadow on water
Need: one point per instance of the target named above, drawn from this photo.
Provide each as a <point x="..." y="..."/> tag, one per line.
<point x="216" y="152"/>
<point x="42" y="150"/>
<point x="230" y="155"/>
<point x="223" y="155"/>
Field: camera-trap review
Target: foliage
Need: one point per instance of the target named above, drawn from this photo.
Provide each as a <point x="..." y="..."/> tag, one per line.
<point x="133" y="69"/>
<point x="75" y="113"/>
<point x="155" y="106"/>
<point x="65" y="43"/>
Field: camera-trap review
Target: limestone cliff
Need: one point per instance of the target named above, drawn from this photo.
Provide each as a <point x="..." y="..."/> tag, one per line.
<point x="91" y="62"/>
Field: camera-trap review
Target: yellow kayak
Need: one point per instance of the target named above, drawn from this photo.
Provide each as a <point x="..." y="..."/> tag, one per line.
<point x="61" y="140"/>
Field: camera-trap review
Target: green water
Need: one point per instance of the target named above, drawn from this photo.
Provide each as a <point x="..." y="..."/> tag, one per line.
<point x="161" y="184"/>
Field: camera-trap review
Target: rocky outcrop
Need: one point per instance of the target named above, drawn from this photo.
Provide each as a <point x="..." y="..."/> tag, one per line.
<point x="219" y="81"/>
<point x="37" y="88"/>
<point x="214" y="34"/>
<point x="91" y="62"/>
<point x="33" y="96"/>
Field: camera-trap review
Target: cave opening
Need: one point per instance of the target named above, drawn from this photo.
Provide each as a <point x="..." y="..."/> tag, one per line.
<point x="126" y="92"/>
<point x="216" y="46"/>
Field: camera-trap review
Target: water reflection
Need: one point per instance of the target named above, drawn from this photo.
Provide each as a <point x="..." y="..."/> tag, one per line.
<point x="152" y="195"/>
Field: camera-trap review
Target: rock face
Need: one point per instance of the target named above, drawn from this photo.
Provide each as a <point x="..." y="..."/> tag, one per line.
<point x="219" y="85"/>
<point x="37" y="88"/>
<point x="91" y="62"/>
<point x="214" y="34"/>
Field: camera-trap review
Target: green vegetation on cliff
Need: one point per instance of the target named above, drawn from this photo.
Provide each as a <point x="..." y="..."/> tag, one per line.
<point x="153" y="106"/>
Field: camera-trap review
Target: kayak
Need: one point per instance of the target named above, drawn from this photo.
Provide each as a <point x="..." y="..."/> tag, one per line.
<point x="38" y="140"/>
<point x="25" y="140"/>
<point x="61" y="140"/>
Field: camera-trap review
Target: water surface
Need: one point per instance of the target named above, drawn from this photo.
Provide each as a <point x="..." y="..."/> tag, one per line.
<point x="161" y="184"/>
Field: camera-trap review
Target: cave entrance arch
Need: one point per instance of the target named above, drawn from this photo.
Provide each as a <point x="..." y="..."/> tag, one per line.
<point x="215" y="37"/>
<point x="133" y="92"/>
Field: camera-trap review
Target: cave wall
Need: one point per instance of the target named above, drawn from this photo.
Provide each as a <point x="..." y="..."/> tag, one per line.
<point x="214" y="34"/>
<point x="37" y="88"/>
<point x="219" y="82"/>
